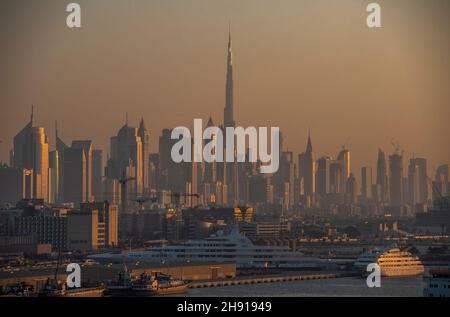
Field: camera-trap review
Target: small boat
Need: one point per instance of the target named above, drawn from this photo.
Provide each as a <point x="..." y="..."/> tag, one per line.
<point x="145" y="285"/>
<point x="159" y="284"/>
<point x="121" y="286"/>
<point x="53" y="289"/>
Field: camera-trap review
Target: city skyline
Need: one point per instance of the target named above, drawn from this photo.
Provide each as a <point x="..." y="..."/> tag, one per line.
<point x="207" y="148"/>
<point x="328" y="136"/>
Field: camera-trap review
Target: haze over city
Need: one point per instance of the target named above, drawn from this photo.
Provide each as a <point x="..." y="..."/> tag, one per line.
<point x="224" y="148"/>
<point x="297" y="64"/>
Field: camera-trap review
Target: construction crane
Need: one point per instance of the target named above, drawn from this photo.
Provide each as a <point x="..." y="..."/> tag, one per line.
<point x="397" y="147"/>
<point x="123" y="190"/>
<point x="346" y="143"/>
<point x="142" y="200"/>
<point x="179" y="195"/>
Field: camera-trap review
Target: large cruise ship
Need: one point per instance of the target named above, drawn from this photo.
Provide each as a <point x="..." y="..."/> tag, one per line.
<point x="438" y="284"/>
<point x="393" y="262"/>
<point x="232" y="248"/>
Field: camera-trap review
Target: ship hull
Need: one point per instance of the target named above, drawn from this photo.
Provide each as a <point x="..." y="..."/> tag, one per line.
<point x="173" y="290"/>
<point x="402" y="271"/>
<point x="82" y="292"/>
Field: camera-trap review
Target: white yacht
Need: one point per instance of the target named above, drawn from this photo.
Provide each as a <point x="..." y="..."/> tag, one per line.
<point x="393" y="262"/>
<point x="233" y="248"/>
<point x="438" y="284"/>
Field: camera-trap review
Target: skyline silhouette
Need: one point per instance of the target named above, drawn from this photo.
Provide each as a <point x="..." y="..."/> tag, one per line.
<point x="348" y="84"/>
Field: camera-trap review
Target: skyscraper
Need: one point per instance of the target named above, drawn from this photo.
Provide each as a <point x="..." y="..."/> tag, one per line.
<point x="126" y="159"/>
<point x="351" y="189"/>
<point x="366" y="184"/>
<point x="344" y="159"/>
<point x="382" y="177"/>
<point x="15" y="183"/>
<point x="145" y="139"/>
<point x="75" y="175"/>
<point x="323" y="185"/>
<point x="396" y="179"/>
<point x="230" y="169"/>
<point x="97" y="175"/>
<point x="307" y="173"/>
<point x="210" y="174"/>
<point x="53" y="176"/>
<point x="60" y="149"/>
<point x="423" y="179"/>
<point x="441" y="181"/>
<point x="228" y="111"/>
<point x="284" y="180"/>
<point x="413" y="184"/>
<point x="31" y="152"/>
<point x="86" y="147"/>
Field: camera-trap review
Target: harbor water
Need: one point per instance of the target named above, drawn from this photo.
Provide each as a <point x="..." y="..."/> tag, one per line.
<point x="346" y="286"/>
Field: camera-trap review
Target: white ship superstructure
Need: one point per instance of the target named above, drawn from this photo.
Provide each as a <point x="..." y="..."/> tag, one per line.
<point x="233" y="248"/>
<point x="438" y="284"/>
<point x="393" y="262"/>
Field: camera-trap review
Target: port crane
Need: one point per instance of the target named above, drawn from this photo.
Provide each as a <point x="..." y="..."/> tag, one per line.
<point x="142" y="200"/>
<point x="397" y="148"/>
<point x="178" y="195"/>
<point x="123" y="190"/>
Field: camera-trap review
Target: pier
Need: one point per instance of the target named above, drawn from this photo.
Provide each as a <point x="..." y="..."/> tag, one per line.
<point x="262" y="279"/>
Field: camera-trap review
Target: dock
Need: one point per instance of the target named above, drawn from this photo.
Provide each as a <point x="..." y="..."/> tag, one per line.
<point x="261" y="279"/>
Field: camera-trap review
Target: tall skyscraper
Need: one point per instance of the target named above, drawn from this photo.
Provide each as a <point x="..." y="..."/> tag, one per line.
<point x="31" y="152"/>
<point x="344" y="159"/>
<point x="230" y="170"/>
<point x="423" y="179"/>
<point x="15" y="184"/>
<point x="417" y="181"/>
<point x="366" y="183"/>
<point x="145" y="139"/>
<point x="210" y="174"/>
<point x="53" y="177"/>
<point x="413" y="184"/>
<point x="336" y="178"/>
<point x="228" y="111"/>
<point x="75" y="175"/>
<point x="60" y="149"/>
<point x="86" y="147"/>
<point x="351" y="191"/>
<point x="396" y="179"/>
<point x="441" y="181"/>
<point x="126" y="160"/>
<point x="382" y="177"/>
<point x="307" y="173"/>
<point x="284" y="180"/>
<point x="323" y="185"/>
<point x="97" y="175"/>
<point x="171" y="174"/>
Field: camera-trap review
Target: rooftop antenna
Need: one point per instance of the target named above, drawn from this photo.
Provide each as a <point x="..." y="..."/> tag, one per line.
<point x="126" y="118"/>
<point x="32" y="114"/>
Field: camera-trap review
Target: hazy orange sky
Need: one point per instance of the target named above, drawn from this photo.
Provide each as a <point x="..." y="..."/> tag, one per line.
<point x="297" y="64"/>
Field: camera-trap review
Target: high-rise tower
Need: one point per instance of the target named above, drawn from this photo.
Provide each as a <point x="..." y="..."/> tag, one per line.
<point x="382" y="177"/>
<point x="60" y="149"/>
<point x="307" y="173"/>
<point x="31" y="152"/>
<point x="145" y="139"/>
<point x="396" y="179"/>
<point x="228" y="111"/>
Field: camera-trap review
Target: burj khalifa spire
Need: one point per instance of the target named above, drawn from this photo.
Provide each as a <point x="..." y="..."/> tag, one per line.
<point x="228" y="110"/>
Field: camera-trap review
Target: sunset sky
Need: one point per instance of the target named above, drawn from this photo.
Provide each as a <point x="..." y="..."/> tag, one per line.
<point x="297" y="65"/>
